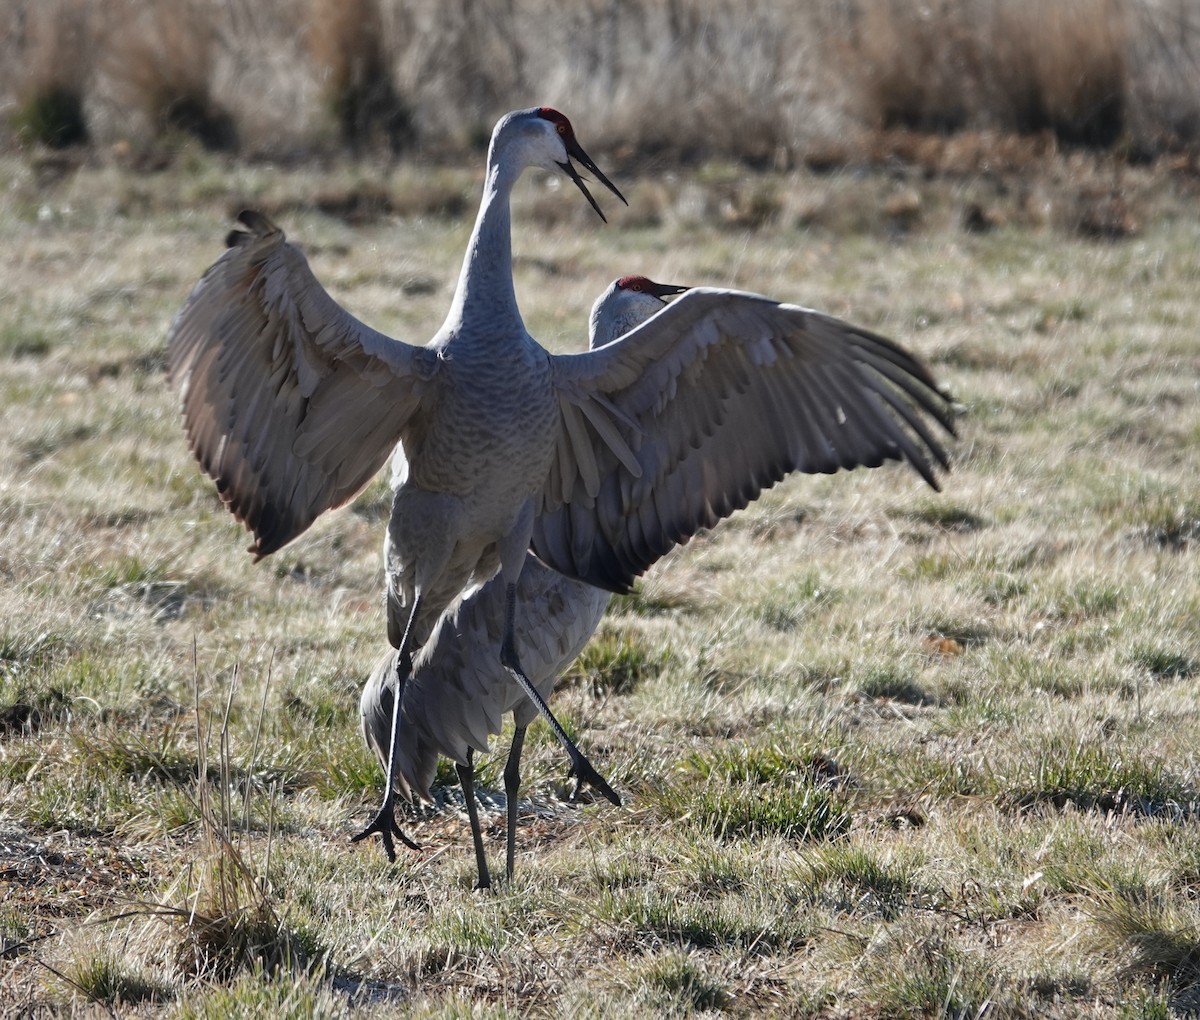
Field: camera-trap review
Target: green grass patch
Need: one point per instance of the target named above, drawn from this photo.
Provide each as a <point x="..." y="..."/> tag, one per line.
<point x="1001" y="589"/>
<point x="1156" y="937"/>
<point x="18" y="341"/>
<point x="855" y="877"/>
<point x="52" y="116"/>
<point x="617" y="660"/>
<point x="891" y="682"/>
<point x="678" y="984"/>
<point x="108" y="979"/>
<point x="930" y="976"/>
<point x="261" y="994"/>
<point x="946" y="516"/>
<point x="690" y="924"/>
<point x="1097" y="777"/>
<point x="743" y="792"/>
<point x="787" y="606"/>
<point x="1164" y="663"/>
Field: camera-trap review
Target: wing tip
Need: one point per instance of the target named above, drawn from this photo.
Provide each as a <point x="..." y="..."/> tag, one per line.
<point x="258" y="226"/>
<point x="268" y="540"/>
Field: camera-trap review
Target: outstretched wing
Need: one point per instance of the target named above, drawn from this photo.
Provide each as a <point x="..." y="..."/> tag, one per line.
<point x="691" y="415"/>
<point x="290" y="404"/>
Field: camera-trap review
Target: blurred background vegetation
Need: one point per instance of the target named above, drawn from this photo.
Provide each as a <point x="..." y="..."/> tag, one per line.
<point x="768" y="83"/>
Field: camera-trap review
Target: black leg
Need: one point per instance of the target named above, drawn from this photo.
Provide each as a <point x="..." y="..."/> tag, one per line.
<point x="512" y="787"/>
<point x="466" y="778"/>
<point x="384" y="821"/>
<point x="581" y="768"/>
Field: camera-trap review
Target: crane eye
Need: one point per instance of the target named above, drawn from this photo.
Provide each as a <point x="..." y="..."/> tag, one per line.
<point x="637" y="286"/>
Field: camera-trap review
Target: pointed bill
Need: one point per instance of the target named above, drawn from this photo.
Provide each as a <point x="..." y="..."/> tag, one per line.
<point x="664" y="290"/>
<point x="575" y="151"/>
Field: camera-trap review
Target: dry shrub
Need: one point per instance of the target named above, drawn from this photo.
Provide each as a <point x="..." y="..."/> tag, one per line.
<point x="463" y="62"/>
<point x="685" y="79"/>
<point x="1010" y="65"/>
<point x="346" y="44"/>
<point x="1164" y="102"/>
<point x="689" y="81"/>
<point x="1062" y="67"/>
<point x="221" y="907"/>
<point x="917" y="65"/>
<point x="49" y="53"/>
<point x="767" y="82"/>
<point x="161" y="60"/>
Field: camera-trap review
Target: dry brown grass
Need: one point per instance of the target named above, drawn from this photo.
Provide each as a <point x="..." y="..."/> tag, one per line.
<point x="1020" y="67"/>
<point x="347" y="46"/>
<point x="160" y="67"/>
<point x="885" y="752"/>
<point x="47" y="53"/>
<point x="769" y="82"/>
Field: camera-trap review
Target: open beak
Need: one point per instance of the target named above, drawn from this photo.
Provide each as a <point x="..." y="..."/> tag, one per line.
<point x="575" y="151"/>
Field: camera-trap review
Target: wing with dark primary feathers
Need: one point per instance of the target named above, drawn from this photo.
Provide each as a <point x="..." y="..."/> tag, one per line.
<point x="717" y="397"/>
<point x="290" y="404"/>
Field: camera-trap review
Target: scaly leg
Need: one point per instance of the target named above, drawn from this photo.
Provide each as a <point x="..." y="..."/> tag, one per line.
<point x="581" y="768"/>
<point x="384" y="821"/>
<point x="466" y="778"/>
<point x="512" y="786"/>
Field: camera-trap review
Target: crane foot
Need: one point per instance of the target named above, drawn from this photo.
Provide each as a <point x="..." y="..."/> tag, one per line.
<point x="584" y="773"/>
<point x="385" y="824"/>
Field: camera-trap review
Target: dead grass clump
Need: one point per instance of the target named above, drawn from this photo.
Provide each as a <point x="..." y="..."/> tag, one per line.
<point x="1061" y="67"/>
<point x="161" y="60"/>
<point x="1105" y="214"/>
<point x="346" y="44"/>
<point x="1023" y="67"/>
<point x="913" y="61"/>
<point x="232" y="926"/>
<point x="226" y="920"/>
<point x="51" y="67"/>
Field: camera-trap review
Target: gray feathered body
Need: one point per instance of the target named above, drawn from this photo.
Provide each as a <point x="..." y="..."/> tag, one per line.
<point x="459" y="692"/>
<point x="473" y="458"/>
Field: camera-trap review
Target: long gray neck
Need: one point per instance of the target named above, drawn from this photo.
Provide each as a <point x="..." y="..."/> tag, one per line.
<point x="484" y="297"/>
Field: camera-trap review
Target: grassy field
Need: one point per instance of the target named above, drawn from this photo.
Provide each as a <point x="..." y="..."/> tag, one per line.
<point x="884" y="752"/>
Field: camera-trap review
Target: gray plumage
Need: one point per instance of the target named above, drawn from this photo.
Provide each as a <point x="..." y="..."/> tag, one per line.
<point x="459" y="692"/>
<point x="617" y="454"/>
<point x="291" y="405"/>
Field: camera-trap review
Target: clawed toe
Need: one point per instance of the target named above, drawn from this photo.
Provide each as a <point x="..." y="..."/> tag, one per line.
<point x="585" y="774"/>
<point x="385" y="824"/>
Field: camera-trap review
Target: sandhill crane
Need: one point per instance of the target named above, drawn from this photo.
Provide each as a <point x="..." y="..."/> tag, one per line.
<point x="604" y="460"/>
<point x="291" y="405"/>
<point x="459" y="692"/>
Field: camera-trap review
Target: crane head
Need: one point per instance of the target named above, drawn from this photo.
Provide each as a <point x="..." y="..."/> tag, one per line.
<point x="625" y="304"/>
<point x="644" y="285"/>
<point x="574" y="150"/>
